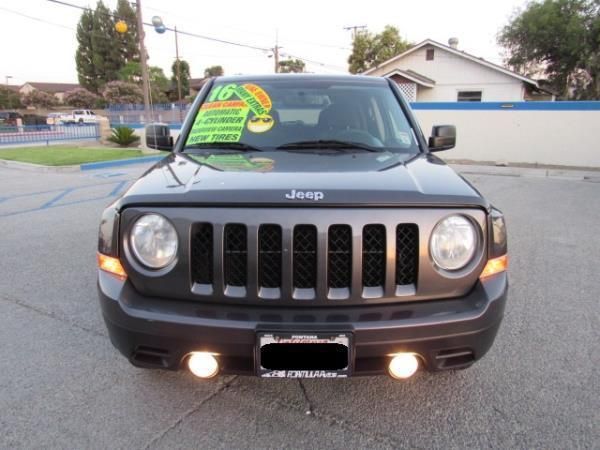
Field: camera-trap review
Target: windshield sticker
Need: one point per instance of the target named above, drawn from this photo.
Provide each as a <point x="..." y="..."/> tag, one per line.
<point x="260" y="124"/>
<point x="236" y="163"/>
<point x="404" y="137"/>
<point x="222" y="118"/>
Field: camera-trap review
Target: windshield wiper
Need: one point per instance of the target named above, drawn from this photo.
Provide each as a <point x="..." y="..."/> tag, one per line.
<point x="331" y="144"/>
<point x="237" y="146"/>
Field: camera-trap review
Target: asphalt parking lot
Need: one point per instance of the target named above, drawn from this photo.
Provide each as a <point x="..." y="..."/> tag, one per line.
<point x="62" y="385"/>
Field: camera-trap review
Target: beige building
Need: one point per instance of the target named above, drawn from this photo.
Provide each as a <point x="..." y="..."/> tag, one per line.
<point x="57" y="89"/>
<point x="434" y="72"/>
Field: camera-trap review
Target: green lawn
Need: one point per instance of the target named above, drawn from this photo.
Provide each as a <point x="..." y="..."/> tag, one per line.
<point x="66" y="156"/>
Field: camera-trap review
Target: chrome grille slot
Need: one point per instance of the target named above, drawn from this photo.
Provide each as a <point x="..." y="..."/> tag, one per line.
<point x="373" y="261"/>
<point x="304" y="261"/>
<point x="339" y="261"/>
<point x="407" y="253"/>
<point x="269" y="260"/>
<point x="202" y="253"/>
<point x="235" y="257"/>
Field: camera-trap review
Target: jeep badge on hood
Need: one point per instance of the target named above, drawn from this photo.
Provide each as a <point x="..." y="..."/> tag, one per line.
<point x="305" y="195"/>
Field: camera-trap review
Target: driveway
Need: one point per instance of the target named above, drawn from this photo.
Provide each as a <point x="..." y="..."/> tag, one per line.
<point x="62" y="385"/>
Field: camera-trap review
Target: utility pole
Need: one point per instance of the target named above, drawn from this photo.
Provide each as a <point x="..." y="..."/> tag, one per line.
<point x="276" y="51"/>
<point x="143" y="58"/>
<point x="178" y="66"/>
<point x="276" y="57"/>
<point x="355" y="29"/>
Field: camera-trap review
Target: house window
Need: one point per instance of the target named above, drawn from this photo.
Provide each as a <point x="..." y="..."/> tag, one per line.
<point x="429" y="54"/>
<point x="469" y="96"/>
<point x="409" y="90"/>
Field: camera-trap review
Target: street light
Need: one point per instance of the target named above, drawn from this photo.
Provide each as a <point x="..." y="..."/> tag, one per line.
<point x="160" y="28"/>
<point x="7" y="77"/>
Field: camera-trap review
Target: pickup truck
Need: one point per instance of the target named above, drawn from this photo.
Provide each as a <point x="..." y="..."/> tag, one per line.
<point x="302" y="227"/>
<point x="78" y="116"/>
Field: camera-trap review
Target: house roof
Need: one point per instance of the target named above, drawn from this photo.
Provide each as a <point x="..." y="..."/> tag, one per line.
<point x="456" y="52"/>
<point x="11" y="87"/>
<point x="197" y="83"/>
<point x="412" y="76"/>
<point x="53" y="88"/>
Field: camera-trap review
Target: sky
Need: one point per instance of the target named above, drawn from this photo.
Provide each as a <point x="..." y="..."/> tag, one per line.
<point x="42" y="47"/>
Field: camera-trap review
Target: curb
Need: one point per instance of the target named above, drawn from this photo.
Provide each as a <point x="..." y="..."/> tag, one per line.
<point x="119" y="162"/>
<point x="527" y="172"/>
<point x="77" y="168"/>
<point x="36" y="167"/>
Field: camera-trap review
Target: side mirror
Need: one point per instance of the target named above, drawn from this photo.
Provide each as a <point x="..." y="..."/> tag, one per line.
<point x="158" y="137"/>
<point x="443" y="137"/>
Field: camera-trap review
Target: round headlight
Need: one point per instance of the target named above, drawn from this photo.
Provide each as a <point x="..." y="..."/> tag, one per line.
<point x="154" y="241"/>
<point x="453" y="243"/>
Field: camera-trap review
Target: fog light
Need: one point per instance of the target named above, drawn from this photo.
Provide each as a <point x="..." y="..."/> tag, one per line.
<point x="203" y="365"/>
<point x="403" y="365"/>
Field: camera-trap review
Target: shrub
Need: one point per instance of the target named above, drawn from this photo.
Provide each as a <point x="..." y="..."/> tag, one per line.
<point x="81" y="98"/>
<point x="9" y="99"/>
<point x="39" y="99"/>
<point x="123" y="136"/>
<point x="120" y="92"/>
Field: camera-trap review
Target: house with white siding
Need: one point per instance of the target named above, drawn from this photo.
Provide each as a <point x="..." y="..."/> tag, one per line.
<point x="434" y="72"/>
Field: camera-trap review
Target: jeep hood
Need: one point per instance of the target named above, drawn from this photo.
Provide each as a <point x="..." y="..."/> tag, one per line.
<point x="276" y="178"/>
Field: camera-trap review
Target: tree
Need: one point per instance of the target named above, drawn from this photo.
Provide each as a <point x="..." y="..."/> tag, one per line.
<point x="39" y="99"/>
<point x="213" y="71"/>
<point x="131" y="72"/>
<point x="84" y="57"/>
<point x="558" y="39"/>
<point x="107" y="54"/>
<point x="81" y="98"/>
<point x="369" y="50"/>
<point x="159" y="84"/>
<point x="120" y="92"/>
<point x="130" y="50"/>
<point x="101" y="52"/>
<point x="9" y="99"/>
<point x="184" y="71"/>
<point x="291" y="66"/>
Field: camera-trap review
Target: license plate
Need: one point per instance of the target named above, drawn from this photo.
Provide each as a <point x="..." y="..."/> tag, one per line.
<point x="304" y="355"/>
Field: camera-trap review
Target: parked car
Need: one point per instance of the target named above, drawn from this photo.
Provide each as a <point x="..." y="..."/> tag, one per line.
<point x="35" y="122"/>
<point x="319" y="241"/>
<point x="79" y="116"/>
<point x="54" y="118"/>
<point x="9" y="118"/>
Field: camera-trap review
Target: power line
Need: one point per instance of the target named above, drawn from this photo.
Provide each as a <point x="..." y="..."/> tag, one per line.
<point x="200" y="36"/>
<point x="355" y="29"/>
<point x="187" y="33"/>
<point x="37" y="19"/>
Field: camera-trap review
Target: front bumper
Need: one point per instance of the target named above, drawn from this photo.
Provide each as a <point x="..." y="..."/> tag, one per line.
<point x="447" y="334"/>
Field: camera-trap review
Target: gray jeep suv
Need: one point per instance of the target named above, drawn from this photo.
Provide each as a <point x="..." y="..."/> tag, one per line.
<point x="302" y="227"/>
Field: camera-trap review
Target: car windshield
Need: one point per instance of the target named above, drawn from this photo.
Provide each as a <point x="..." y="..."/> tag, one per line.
<point x="295" y="114"/>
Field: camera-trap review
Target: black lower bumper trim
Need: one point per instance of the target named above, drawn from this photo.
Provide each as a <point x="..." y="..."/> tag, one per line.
<point x="159" y="333"/>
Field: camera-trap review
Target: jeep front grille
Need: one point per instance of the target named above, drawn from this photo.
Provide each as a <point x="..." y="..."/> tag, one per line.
<point x="269" y="261"/>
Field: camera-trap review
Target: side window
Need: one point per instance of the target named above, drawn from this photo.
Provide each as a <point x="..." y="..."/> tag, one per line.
<point x="469" y="96"/>
<point x="400" y="130"/>
<point x="377" y="119"/>
<point x="429" y="54"/>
